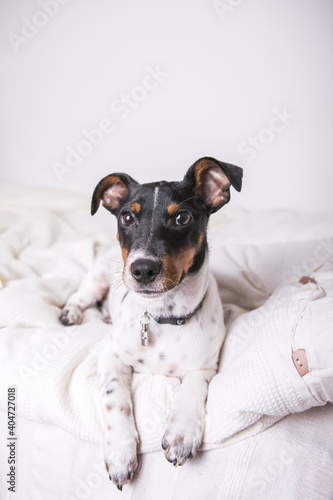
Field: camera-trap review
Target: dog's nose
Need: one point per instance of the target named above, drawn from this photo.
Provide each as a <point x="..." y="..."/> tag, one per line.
<point x="145" y="270"/>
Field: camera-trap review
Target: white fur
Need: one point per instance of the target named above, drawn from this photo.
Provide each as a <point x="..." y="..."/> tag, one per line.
<point x="188" y="351"/>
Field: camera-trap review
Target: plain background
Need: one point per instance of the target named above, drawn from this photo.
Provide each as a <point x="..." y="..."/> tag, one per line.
<point x="229" y="68"/>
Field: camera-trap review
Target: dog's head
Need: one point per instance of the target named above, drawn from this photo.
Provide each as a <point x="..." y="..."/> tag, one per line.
<point x="162" y="225"/>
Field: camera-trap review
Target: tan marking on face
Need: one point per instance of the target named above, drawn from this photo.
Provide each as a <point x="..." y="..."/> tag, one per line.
<point x="109" y="427"/>
<point x="136" y="207"/>
<point x="175" y="267"/>
<point x="172" y="208"/>
<point x="186" y="258"/>
<point x="109" y="407"/>
<point x="200" y="239"/>
<point x="124" y="254"/>
<point x="170" y="272"/>
<point x="117" y="236"/>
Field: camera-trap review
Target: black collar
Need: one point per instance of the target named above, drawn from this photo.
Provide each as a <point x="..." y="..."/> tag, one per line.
<point x="174" y="320"/>
<point x="180" y="320"/>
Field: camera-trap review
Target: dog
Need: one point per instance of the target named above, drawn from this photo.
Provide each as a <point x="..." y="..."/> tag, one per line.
<point x="166" y="313"/>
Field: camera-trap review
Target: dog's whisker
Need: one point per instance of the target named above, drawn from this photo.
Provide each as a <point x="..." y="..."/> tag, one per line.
<point x="169" y="279"/>
<point x="115" y="274"/>
<point x="176" y="285"/>
<point x="187" y="291"/>
<point x="117" y="262"/>
<point x="184" y="201"/>
<point x="116" y="285"/>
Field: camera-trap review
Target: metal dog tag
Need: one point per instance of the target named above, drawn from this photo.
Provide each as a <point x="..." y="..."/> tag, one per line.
<point x="145" y="320"/>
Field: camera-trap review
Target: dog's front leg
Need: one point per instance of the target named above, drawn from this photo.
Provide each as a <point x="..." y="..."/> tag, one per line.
<point x="185" y="423"/>
<point x="93" y="288"/>
<point x="120" y="434"/>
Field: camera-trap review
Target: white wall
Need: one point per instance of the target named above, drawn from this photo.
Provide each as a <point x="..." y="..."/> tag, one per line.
<point x="227" y="72"/>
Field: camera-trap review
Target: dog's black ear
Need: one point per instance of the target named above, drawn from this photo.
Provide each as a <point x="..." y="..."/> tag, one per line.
<point x="112" y="190"/>
<point x="211" y="180"/>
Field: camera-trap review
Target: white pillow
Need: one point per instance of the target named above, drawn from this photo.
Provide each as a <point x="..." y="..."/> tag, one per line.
<point x="258" y="381"/>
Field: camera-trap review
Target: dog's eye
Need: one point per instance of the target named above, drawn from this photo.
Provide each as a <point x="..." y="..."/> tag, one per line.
<point x="183" y="218"/>
<point x="127" y="219"/>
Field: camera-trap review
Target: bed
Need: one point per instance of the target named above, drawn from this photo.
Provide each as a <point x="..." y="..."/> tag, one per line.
<point x="269" y="421"/>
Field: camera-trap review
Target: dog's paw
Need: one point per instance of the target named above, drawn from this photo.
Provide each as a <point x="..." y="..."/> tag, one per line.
<point x="71" y="315"/>
<point x="181" y="442"/>
<point x="107" y="319"/>
<point x="121" y="461"/>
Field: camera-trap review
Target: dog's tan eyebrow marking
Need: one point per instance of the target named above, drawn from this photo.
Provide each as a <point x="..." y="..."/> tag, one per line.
<point x="172" y="208"/>
<point x="136" y="207"/>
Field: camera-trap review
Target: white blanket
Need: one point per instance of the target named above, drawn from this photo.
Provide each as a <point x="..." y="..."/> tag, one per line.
<point x="48" y="241"/>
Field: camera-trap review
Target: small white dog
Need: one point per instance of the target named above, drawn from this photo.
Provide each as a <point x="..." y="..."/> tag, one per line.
<point x="166" y="311"/>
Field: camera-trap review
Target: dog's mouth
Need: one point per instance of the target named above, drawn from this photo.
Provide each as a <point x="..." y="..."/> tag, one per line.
<point x="150" y="293"/>
<point x="159" y="287"/>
